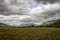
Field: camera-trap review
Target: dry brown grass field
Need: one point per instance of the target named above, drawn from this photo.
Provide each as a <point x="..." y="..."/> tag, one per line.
<point x="30" y="33"/>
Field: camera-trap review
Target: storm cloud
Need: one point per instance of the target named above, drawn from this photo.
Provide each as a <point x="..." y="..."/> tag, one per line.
<point x="47" y="1"/>
<point x="28" y="12"/>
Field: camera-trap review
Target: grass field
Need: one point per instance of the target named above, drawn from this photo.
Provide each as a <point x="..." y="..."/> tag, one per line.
<point x="30" y="33"/>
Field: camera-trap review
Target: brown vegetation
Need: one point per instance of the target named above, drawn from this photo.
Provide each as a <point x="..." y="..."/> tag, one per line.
<point x="30" y="33"/>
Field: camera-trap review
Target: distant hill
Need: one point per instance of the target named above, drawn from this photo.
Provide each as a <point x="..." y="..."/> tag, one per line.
<point x="3" y="25"/>
<point x="54" y="23"/>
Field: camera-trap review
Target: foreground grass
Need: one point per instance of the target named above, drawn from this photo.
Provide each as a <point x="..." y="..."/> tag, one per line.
<point x="29" y="33"/>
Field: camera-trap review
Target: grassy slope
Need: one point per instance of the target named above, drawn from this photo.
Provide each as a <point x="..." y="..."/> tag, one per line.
<point x="29" y="33"/>
<point x="55" y="24"/>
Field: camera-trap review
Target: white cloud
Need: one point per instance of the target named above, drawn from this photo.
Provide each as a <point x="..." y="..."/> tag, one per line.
<point x="29" y="16"/>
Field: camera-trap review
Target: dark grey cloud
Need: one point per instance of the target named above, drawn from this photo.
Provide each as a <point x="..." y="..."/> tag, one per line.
<point x="12" y="7"/>
<point x="45" y="1"/>
<point x="1" y="1"/>
<point x="20" y="14"/>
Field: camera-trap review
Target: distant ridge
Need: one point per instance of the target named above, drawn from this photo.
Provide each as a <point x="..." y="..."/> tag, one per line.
<point x="53" y="23"/>
<point x="3" y="25"/>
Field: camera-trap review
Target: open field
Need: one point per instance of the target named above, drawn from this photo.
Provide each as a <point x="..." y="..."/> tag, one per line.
<point x="30" y="33"/>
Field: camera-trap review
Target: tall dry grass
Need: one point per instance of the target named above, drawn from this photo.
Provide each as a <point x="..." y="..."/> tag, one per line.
<point x="30" y="33"/>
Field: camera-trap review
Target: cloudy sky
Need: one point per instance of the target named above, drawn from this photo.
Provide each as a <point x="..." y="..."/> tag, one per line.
<point x="28" y="12"/>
